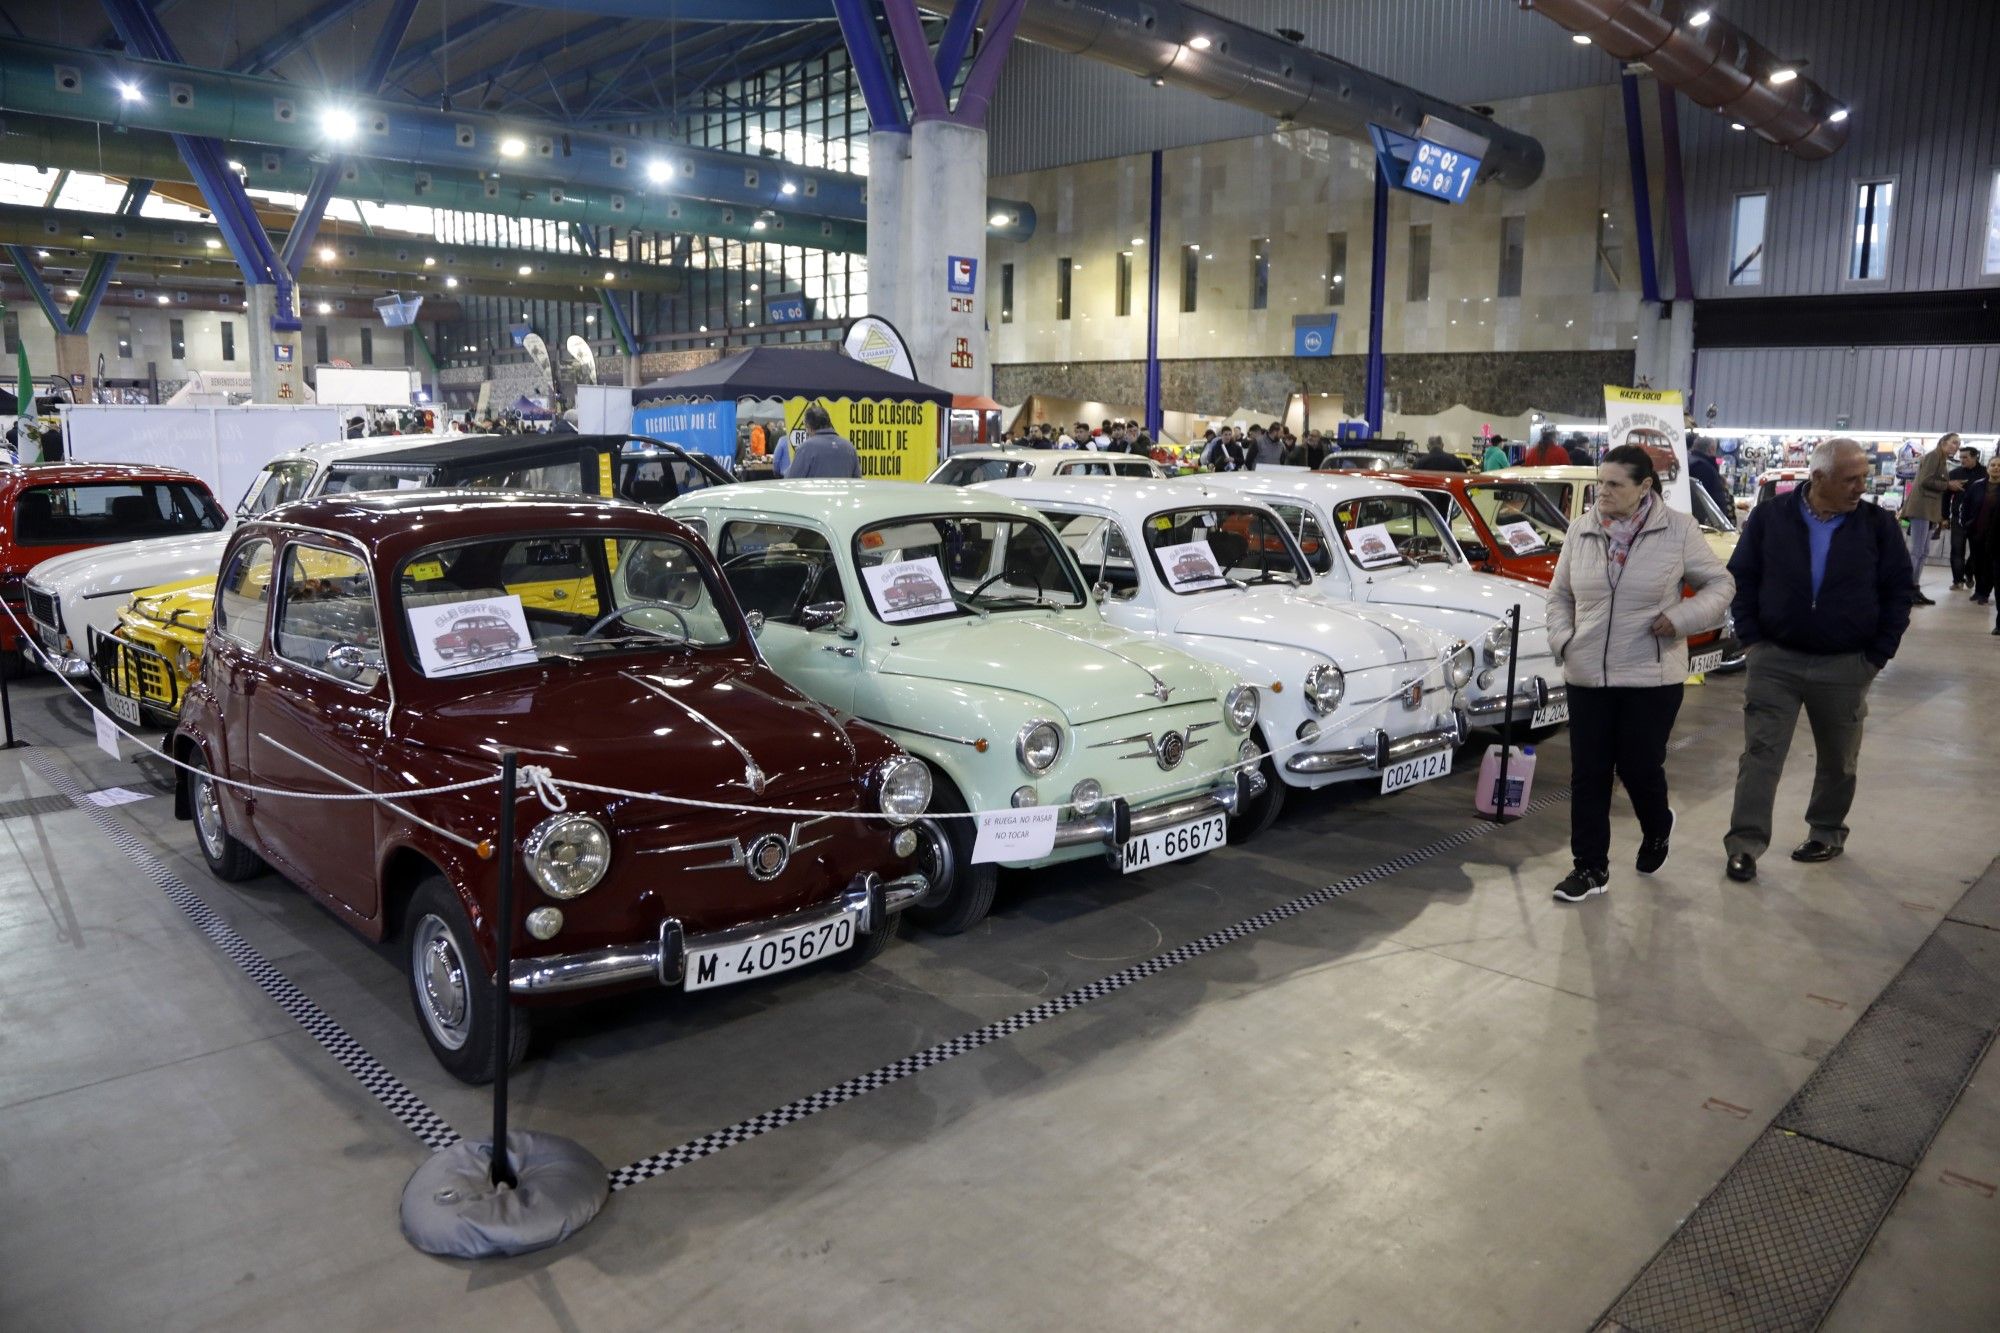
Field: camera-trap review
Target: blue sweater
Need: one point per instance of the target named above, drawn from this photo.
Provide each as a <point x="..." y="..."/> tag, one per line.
<point x="1864" y="599"/>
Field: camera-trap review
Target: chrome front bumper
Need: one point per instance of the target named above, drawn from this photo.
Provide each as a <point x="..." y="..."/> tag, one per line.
<point x="665" y="959"/>
<point x="1121" y="822"/>
<point x="1380" y="753"/>
<point x="1537" y="693"/>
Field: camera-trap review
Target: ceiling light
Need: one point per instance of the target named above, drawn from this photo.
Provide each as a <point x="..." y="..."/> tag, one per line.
<point x="758" y="225"/>
<point x="237" y="167"/>
<point x="326" y="254"/>
<point x="753" y="286"/>
<point x="512" y="146"/>
<point x="590" y="318"/>
<point x="430" y="261"/>
<point x="212" y="243"/>
<point x="163" y="300"/>
<point x="451" y="282"/>
<point x="43" y="253"/>
<point x="704" y="328"/>
<point x="73" y="293"/>
<point x="1580" y="39"/>
<point x="998" y="220"/>
<point x="130" y="91"/>
<point x="1194" y="245"/>
<point x="1159" y="83"/>
<point x="1700" y="18"/>
<point x="788" y="188"/>
<point x="337" y="123"/>
<point x="609" y="276"/>
<point x="658" y="170"/>
<point x="325" y="308"/>
<point x="1781" y="77"/>
<point x="1199" y="43"/>
<point x="1736" y="125"/>
<point x="1838" y="116"/>
<point x="526" y="269"/>
<point x="1138" y="240"/>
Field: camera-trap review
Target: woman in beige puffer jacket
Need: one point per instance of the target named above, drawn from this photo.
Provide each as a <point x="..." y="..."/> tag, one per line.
<point x="1618" y="625"/>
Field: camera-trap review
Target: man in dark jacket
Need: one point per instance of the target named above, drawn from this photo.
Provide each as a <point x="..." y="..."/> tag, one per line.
<point x="822" y="453"/>
<point x="1439" y="459"/>
<point x="1706" y="473"/>
<point x="1823" y="594"/>
<point x="1968" y="471"/>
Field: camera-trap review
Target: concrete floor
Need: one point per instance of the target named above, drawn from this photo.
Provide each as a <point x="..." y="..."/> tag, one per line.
<point x="1440" y="1101"/>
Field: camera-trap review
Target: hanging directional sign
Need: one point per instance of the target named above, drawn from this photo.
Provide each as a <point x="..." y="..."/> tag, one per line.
<point x="1440" y="172"/>
<point x="1440" y="161"/>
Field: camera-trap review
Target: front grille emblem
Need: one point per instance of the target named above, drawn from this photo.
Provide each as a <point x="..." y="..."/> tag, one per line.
<point x="767" y="857"/>
<point x="1170" y="749"/>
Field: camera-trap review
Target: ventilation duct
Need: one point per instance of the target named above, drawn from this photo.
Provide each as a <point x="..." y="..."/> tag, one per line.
<point x="1248" y="67"/>
<point x="1716" y="65"/>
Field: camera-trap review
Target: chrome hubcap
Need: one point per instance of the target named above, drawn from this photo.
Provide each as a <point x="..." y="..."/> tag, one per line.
<point x="208" y="814"/>
<point x="440" y="978"/>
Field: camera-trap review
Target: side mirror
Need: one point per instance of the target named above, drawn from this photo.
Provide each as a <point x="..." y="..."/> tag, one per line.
<point x="1475" y="552"/>
<point x="1100" y="591"/>
<point x="822" y="615"/>
<point x="755" y="620"/>
<point x="349" y="660"/>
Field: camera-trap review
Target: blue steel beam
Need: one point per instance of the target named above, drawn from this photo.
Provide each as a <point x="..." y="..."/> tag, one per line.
<point x="97" y="278"/>
<point x="719" y="11"/>
<point x="957" y="40"/>
<point x="747" y="60"/>
<point x="416" y="53"/>
<point x="1378" y="295"/>
<point x="588" y="241"/>
<point x="920" y="76"/>
<point x="527" y="58"/>
<point x="294" y="36"/>
<point x="1155" y="419"/>
<point x="44" y="298"/>
<point x="701" y="39"/>
<point x="1642" y="197"/>
<point x="871" y="65"/>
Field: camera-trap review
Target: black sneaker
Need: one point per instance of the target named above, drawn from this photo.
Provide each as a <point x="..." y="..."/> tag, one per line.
<point x="1580" y="884"/>
<point x="1653" y="851"/>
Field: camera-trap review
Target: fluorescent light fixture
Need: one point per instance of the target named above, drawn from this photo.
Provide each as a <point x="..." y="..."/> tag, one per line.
<point x="526" y="269"/>
<point x="1781" y="77"/>
<point x="1700" y="18"/>
<point x="511" y="146"/>
<point x="326" y="254"/>
<point x="1838" y="116"/>
<point x="1579" y="39"/>
<point x="338" y="123"/>
<point x="658" y="170"/>
<point x="130" y="91"/>
<point x="998" y="220"/>
<point x="451" y="282"/>
<point x="1199" y="43"/>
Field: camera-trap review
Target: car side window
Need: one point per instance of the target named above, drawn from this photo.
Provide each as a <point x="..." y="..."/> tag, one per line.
<point x="243" y="594"/>
<point x="778" y="568"/>
<point x="1312" y="540"/>
<point x="1461" y="526"/>
<point x="326" y="615"/>
<point x="1100" y="548"/>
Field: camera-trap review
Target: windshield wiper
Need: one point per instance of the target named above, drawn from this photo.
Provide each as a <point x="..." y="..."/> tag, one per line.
<point x="658" y="640"/>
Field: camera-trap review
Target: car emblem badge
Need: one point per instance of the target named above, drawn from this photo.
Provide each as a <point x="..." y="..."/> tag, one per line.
<point x="1413" y="696"/>
<point x="767" y="857"/>
<point x="1170" y="749"/>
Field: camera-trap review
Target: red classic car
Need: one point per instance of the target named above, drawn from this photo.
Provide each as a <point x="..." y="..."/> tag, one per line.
<point x="645" y="677"/>
<point x="1660" y="448"/>
<point x="50" y="509"/>
<point x="908" y="590"/>
<point x="476" y="636"/>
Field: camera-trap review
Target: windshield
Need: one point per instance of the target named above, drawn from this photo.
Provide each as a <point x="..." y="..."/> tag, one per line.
<point x="92" y="513"/>
<point x="513" y="601"/>
<point x="1519" y="516"/>
<point x="1221" y="546"/>
<point x="1389" y="531"/>
<point x="939" y="566"/>
<point x="1710" y="514"/>
<point x="1773" y="487"/>
<point x="279" y="483"/>
<point x="1570" y="498"/>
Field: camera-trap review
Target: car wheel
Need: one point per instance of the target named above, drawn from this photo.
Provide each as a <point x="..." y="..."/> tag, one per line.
<point x="227" y="858"/>
<point x="870" y="943"/>
<point x="1261" y="813"/>
<point x="961" y="892"/>
<point x="449" y="987"/>
<point x="14" y="663"/>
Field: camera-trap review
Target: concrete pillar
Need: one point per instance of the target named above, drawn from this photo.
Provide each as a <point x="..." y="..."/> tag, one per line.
<point x="271" y="380"/>
<point x="943" y="218"/>
<point x="73" y="359"/>
<point x="888" y="164"/>
<point x="1664" y="355"/>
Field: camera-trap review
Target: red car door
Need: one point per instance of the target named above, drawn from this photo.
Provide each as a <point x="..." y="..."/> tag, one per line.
<point x="317" y="721"/>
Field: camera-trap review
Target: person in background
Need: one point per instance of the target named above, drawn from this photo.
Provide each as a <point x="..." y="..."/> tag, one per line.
<point x="1706" y="473"/>
<point x="1966" y="473"/>
<point x="1439" y="459"/>
<point x="822" y="453"/>
<point x="1924" y="506"/>
<point x="1268" y="447"/>
<point x="1619" y="627"/>
<point x="1494" y="456"/>
<point x="1823" y="593"/>
<point x="1222" y="454"/>
<point x="1979" y="515"/>
<point x="1546" y="451"/>
<point x="1578" y="450"/>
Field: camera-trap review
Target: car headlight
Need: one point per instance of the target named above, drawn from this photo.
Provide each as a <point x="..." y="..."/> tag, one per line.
<point x="903" y="788"/>
<point x="187" y="661"/>
<point x="1039" y="746"/>
<point x="1458" y="667"/>
<point x="1326" y="684"/>
<point x="1241" y="707"/>
<point x="1494" y="647"/>
<point x="567" y="854"/>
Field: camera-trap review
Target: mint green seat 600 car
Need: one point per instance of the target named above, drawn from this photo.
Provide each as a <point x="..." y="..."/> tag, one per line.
<point x="954" y="620"/>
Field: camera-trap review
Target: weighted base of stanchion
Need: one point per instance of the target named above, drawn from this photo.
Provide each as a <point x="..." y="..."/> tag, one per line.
<point x="451" y="1206"/>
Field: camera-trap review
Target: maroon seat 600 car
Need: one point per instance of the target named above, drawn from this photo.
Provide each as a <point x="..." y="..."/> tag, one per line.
<point x="322" y="674"/>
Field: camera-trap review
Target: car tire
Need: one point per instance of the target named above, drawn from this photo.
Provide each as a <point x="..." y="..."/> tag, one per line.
<point x="228" y="859"/>
<point x="449" y="989"/>
<point x="945" y="852"/>
<point x="869" y="944"/>
<point x="14" y="663"/>
<point x="1261" y="813"/>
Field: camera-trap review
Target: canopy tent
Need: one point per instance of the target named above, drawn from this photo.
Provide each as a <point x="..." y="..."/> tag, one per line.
<point x="788" y="372"/>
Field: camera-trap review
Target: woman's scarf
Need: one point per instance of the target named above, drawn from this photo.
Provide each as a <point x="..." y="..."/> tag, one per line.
<point x="1621" y="532"/>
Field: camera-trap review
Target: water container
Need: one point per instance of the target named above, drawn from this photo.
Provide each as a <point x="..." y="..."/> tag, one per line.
<point x="1520" y="780"/>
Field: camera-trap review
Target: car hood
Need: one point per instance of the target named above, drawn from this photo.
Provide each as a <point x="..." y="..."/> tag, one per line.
<point x="185" y="605"/>
<point x="1355" y="637"/>
<point x="1454" y="589"/>
<point x="722" y="730"/>
<point x="1087" y="669"/>
<point x="129" y="565"/>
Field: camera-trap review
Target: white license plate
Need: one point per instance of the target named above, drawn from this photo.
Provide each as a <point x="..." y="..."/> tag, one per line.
<point x="1173" y="844"/>
<point x="1409" y="772"/>
<point x="1701" y="662"/>
<point x="730" y="963"/>
<point x="1551" y="715"/>
<point x="123" y="706"/>
<point x="50" y="639"/>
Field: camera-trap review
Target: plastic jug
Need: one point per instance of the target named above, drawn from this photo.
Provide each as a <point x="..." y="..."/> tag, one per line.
<point x="1520" y="780"/>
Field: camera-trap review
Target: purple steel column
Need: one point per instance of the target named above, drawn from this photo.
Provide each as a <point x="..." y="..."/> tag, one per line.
<point x="985" y="75"/>
<point x="871" y="66"/>
<point x="1642" y="195"/>
<point x="913" y="53"/>
<point x="1154" y="416"/>
<point x="1378" y="296"/>
<point x="1677" y="217"/>
<point x="957" y="40"/>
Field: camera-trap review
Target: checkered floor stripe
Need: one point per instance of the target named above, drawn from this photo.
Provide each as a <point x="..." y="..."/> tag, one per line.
<point x="406" y="1106"/>
<point x="646" y="1168"/>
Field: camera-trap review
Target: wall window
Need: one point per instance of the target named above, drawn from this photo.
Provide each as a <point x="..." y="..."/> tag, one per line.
<point x="1746" y="240"/>
<point x="1190" y="277"/>
<point x="228" y="340"/>
<point x="125" y="337"/>
<point x="1063" y="270"/>
<point x="1336" y="268"/>
<point x="1868" y="259"/>
<point x="1513" y="250"/>
<point x="1260" y="273"/>
<point x="1006" y="293"/>
<point x="1419" y="288"/>
<point x="1992" y="265"/>
<point x="10" y="332"/>
<point x="1124" y="283"/>
<point x="367" y="346"/>
<point x="319" y="345"/>
<point x="1610" y="274"/>
<point x="177" y="334"/>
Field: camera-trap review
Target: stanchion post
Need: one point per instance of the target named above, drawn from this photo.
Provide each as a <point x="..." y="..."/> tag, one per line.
<point x="7" y="714"/>
<point x="1507" y="714"/>
<point x="503" y="953"/>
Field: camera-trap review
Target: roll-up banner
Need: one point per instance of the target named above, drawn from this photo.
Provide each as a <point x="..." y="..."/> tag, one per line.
<point x="1652" y="419"/>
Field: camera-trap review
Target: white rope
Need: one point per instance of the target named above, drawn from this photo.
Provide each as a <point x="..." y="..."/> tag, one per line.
<point x="542" y="783"/>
